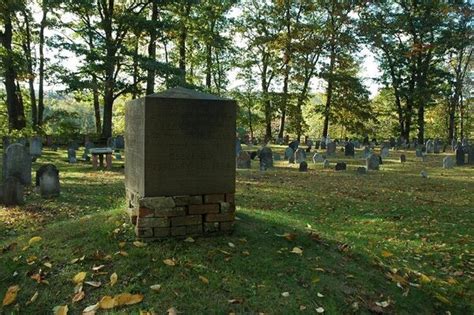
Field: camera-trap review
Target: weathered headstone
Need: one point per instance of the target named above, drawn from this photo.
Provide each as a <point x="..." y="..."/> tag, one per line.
<point x="289" y="153"/>
<point x="11" y="192"/>
<point x="331" y="148"/>
<point x="266" y="158"/>
<point x="169" y="193"/>
<point x="460" y="158"/>
<point x="448" y="162"/>
<point x="340" y="166"/>
<point x="291" y="159"/>
<point x="429" y="146"/>
<point x="317" y="158"/>
<point x="303" y="166"/>
<point x="403" y="158"/>
<point x="18" y="163"/>
<point x="373" y="163"/>
<point x="385" y="151"/>
<point x="367" y="152"/>
<point x="300" y="155"/>
<point x="243" y="161"/>
<point x="47" y="178"/>
<point x="361" y="170"/>
<point x="120" y="142"/>
<point x="437" y="146"/>
<point x="349" y="149"/>
<point x="294" y="145"/>
<point x="36" y="147"/>
<point x="71" y="155"/>
<point x="238" y="146"/>
<point x="419" y="151"/>
<point x="276" y="157"/>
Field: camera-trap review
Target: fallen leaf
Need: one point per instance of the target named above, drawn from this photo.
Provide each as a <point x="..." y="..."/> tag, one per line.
<point x="113" y="279"/>
<point x="289" y="236"/>
<point x="235" y="301"/>
<point x="61" y="310"/>
<point x="442" y="298"/>
<point x="31" y="260"/>
<point x="302" y="307"/>
<point x="172" y="311"/>
<point x="424" y="278"/>
<point x="36" y="277"/>
<point x="10" y="296"/>
<point x="107" y="302"/>
<point x="285" y="294"/>
<point x="91" y="309"/>
<point x="383" y="304"/>
<point x="78" y="278"/>
<point x="139" y="244"/>
<point x="231" y="244"/>
<point x="94" y="284"/>
<point x="189" y="240"/>
<point x="297" y="250"/>
<point x="204" y="280"/>
<point x="78" y="288"/>
<point x="34" y="240"/>
<point x="33" y="298"/>
<point x="97" y="268"/>
<point x="78" y="296"/>
<point x="386" y="254"/>
<point x="127" y="299"/>
<point x="156" y="287"/>
<point x="169" y="262"/>
<point x="320" y="310"/>
<point x="246" y="253"/>
<point x="48" y="264"/>
<point x="319" y="295"/>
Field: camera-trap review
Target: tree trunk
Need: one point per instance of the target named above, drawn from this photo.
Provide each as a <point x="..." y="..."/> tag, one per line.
<point x="329" y="89"/>
<point x="135" y="67"/>
<point x="31" y="75"/>
<point x="208" y="66"/>
<point x="150" y="81"/>
<point x="183" y="34"/>
<point x="95" y="93"/>
<point x="41" y="66"/>
<point x="16" y="119"/>
<point x="287" y="57"/>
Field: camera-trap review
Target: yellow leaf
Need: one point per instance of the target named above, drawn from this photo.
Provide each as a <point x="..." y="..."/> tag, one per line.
<point x="107" y="302"/>
<point x="156" y="287"/>
<point x="34" y="240"/>
<point x="386" y="254"/>
<point x="139" y="244"/>
<point x="48" y="264"/>
<point x="169" y="262"/>
<point x="79" y="277"/>
<point x="10" y="296"/>
<point x="452" y="281"/>
<point x="204" y="280"/>
<point x="113" y="279"/>
<point x="127" y="299"/>
<point x="78" y="296"/>
<point x="297" y="250"/>
<point x="442" y="298"/>
<point x="172" y="311"/>
<point x="61" y="310"/>
<point x="424" y="279"/>
<point x="122" y="244"/>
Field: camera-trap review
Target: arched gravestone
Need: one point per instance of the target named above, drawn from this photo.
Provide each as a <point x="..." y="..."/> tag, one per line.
<point x="18" y="163"/>
<point x="180" y="163"/>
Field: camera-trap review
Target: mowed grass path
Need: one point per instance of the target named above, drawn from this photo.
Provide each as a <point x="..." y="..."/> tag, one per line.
<point x="388" y="242"/>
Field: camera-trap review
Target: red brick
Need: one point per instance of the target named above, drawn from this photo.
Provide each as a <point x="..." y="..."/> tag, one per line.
<point x="194" y="229"/>
<point x="178" y="231"/>
<point x="220" y="217"/>
<point x="144" y="232"/>
<point x="186" y="220"/>
<point x="214" y="198"/>
<point x="145" y="212"/>
<point x="161" y="232"/>
<point x="172" y="212"/>
<point x="152" y="222"/>
<point x="182" y="200"/>
<point x="227" y="207"/>
<point x="195" y="200"/>
<point x="230" y="197"/>
<point x="203" y="209"/>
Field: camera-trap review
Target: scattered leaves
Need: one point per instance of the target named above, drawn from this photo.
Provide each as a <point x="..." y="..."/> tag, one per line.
<point x="113" y="279"/>
<point x="204" y="280"/>
<point x="169" y="262"/>
<point x="156" y="287"/>
<point x="79" y="278"/>
<point x="61" y="310"/>
<point x="297" y="250"/>
<point x="34" y="240"/>
<point x="10" y="296"/>
<point x="78" y="296"/>
<point x="139" y="244"/>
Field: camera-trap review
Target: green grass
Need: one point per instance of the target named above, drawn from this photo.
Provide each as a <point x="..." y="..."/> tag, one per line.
<point x="357" y="233"/>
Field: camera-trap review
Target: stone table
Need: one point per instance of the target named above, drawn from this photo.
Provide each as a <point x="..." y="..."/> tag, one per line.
<point x="98" y="156"/>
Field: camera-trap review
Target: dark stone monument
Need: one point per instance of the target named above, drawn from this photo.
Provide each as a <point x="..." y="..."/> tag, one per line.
<point x="303" y="167"/>
<point x="317" y="158"/>
<point x="361" y="170"/>
<point x="470" y="156"/>
<point x="71" y="155"/>
<point x="36" y="147"/>
<point x="331" y="148"/>
<point x="340" y="166"/>
<point x="349" y="149"/>
<point x="300" y="155"/>
<point x="11" y="192"/>
<point x="18" y="163"/>
<point x="253" y="155"/>
<point x="47" y="178"/>
<point x="294" y="145"/>
<point x="448" y="162"/>
<point x="266" y="158"/>
<point x="238" y="146"/>
<point x="180" y="163"/>
<point x="120" y="142"/>
<point x="460" y="158"/>
<point x="403" y="158"/>
<point x="288" y="153"/>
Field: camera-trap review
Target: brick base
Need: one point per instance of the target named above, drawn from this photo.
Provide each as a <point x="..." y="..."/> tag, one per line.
<point x="180" y="216"/>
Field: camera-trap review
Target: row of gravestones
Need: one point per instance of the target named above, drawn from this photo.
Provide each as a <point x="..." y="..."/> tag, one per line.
<point x="17" y="164"/>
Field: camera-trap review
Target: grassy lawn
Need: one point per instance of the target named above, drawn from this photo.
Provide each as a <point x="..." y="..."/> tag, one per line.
<point x="386" y="242"/>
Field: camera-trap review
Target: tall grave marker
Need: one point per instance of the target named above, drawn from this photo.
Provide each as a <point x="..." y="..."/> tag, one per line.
<point x="180" y="163"/>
